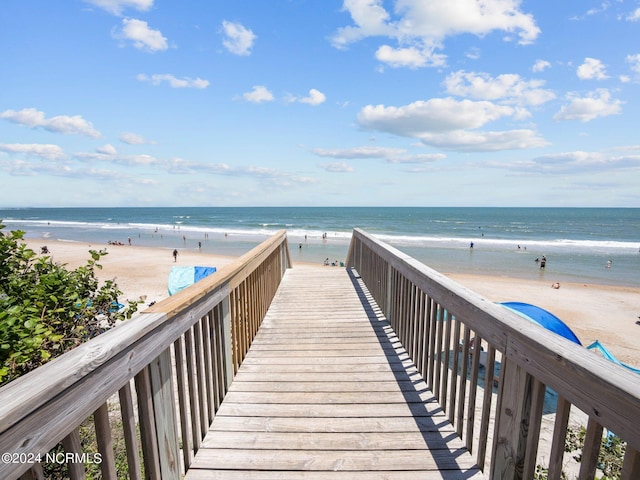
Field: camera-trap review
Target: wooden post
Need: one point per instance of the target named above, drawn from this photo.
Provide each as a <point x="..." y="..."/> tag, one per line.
<point x="72" y="444"/>
<point x="512" y="421"/>
<point x="105" y="444"/>
<point x="226" y="342"/>
<point x="591" y="450"/>
<point x="164" y="415"/>
<point x="631" y="465"/>
<point x="147" y="425"/>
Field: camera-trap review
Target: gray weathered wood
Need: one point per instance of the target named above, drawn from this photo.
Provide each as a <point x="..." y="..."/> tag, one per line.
<point x="326" y="387"/>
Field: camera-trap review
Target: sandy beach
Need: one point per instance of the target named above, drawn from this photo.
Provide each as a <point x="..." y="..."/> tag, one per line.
<point x="594" y="312"/>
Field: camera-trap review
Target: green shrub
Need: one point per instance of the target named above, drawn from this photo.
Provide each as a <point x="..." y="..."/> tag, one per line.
<point x="610" y="458"/>
<point x="45" y="309"/>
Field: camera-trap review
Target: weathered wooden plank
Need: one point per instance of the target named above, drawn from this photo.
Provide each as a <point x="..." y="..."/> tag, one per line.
<point x="210" y="474"/>
<point x="328" y="411"/>
<point x="333" y="460"/>
<point x="433" y="440"/>
<point x="339" y="386"/>
<point x="432" y="423"/>
<point x="329" y="398"/>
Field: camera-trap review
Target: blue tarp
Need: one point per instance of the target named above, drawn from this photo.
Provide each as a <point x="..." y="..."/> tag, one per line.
<point x="543" y="318"/>
<point x="609" y="356"/>
<point x="181" y="277"/>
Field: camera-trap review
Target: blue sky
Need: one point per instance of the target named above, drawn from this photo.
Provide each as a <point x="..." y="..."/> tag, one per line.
<point x="319" y="102"/>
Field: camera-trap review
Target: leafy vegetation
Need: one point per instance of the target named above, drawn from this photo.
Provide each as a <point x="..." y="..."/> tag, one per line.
<point x="46" y="309"/>
<point x="610" y="458"/>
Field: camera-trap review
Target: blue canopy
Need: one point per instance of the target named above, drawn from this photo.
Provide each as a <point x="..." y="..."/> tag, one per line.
<point x="181" y="277"/>
<point x="543" y="318"/>
<point x="609" y="356"/>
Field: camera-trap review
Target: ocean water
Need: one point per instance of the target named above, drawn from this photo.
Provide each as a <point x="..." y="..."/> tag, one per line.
<point x="589" y="245"/>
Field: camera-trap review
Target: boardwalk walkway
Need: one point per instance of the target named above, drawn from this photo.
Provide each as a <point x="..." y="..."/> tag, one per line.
<point x="326" y="391"/>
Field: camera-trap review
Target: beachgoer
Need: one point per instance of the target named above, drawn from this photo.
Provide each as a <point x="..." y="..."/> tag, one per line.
<point x="199" y="245"/>
<point x="129" y="240"/>
<point x="326" y="261"/>
<point x="175" y="255"/>
<point x="543" y="262"/>
<point x="471" y="245"/>
<point x="555" y="286"/>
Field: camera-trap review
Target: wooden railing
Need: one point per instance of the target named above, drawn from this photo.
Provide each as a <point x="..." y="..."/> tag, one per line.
<point x="152" y="383"/>
<point x="455" y="337"/>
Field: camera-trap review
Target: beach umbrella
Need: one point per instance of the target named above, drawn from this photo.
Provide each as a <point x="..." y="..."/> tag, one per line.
<point x="182" y="277"/>
<point x="543" y="318"/>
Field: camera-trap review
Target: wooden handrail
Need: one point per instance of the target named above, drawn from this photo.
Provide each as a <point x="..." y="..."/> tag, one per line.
<point x="421" y="304"/>
<point x="199" y="330"/>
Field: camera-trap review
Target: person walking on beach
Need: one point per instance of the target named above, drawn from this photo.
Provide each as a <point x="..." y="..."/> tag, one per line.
<point x="543" y="262"/>
<point x="175" y="255"/>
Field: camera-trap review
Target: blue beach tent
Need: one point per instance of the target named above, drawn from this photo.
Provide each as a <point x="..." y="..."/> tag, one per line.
<point x="181" y="277"/>
<point x="543" y="318"/>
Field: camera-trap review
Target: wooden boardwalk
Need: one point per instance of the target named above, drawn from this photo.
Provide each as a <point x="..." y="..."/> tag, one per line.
<point x="326" y="391"/>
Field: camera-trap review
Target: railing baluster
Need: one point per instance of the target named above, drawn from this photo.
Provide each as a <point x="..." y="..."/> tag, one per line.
<point x="129" y="431"/>
<point x="446" y="372"/>
<point x="182" y="401"/>
<point x="164" y="417"/>
<point x="208" y="366"/>
<point x="533" y="428"/>
<point x="473" y="389"/>
<point x="563" y="410"/>
<point x="105" y="443"/>
<point x="455" y="375"/>
<point x="200" y="374"/>
<point x="196" y="427"/>
<point x="631" y="464"/>
<point x="486" y="406"/>
<point x="590" y="450"/>
<point x="72" y="444"/>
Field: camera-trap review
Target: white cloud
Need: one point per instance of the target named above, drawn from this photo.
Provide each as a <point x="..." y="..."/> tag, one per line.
<point x="114" y="158"/>
<point x="477" y="141"/>
<point x="30" y="117"/>
<point x="315" y="97"/>
<point x="259" y="94"/>
<point x="173" y="82"/>
<point x="596" y="104"/>
<point x="592" y="69"/>
<point x="576" y="161"/>
<point x="421" y="27"/>
<point x="337" y="167"/>
<point x="142" y="36"/>
<point x="117" y="6"/>
<point x="540" y="66"/>
<point x="634" y="61"/>
<point x="370" y="19"/>
<point x="634" y="16"/>
<point x="509" y="88"/>
<point x="107" y="149"/>
<point x="239" y="40"/>
<point x="42" y="150"/>
<point x="411" y="57"/>
<point x="448" y="123"/>
<point x="434" y="115"/>
<point x="133" y="139"/>
<point x="391" y="155"/>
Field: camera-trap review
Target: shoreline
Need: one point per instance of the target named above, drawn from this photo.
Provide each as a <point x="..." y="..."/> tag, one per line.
<point x="594" y="312"/>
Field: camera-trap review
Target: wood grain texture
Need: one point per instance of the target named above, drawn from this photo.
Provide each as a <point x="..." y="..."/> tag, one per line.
<point x="327" y="389"/>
